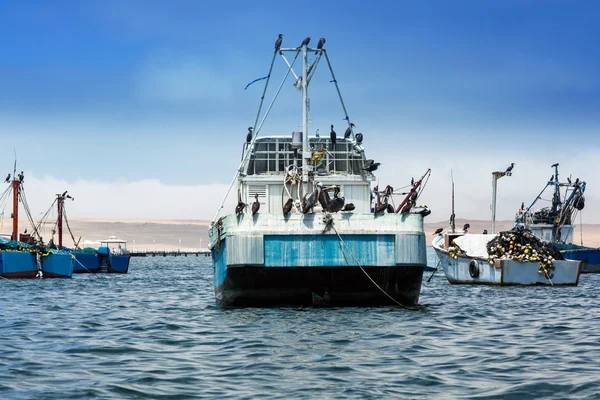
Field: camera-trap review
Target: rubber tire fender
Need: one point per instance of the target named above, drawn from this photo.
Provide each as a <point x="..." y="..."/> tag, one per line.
<point x="474" y="269"/>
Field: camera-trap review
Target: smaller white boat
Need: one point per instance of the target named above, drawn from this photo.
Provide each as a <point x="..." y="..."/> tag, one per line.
<point x="465" y="260"/>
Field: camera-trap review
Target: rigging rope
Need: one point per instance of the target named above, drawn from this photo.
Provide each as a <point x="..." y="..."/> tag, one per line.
<point x="360" y="266"/>
<point x="254" y="136"/>
<point x="76" y="244"/>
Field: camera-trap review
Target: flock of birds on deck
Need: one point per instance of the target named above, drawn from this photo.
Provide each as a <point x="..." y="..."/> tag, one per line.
<point x="319" y="195"/>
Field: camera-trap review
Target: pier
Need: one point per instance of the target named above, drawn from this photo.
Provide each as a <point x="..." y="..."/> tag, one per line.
<point x="170" y="252"/>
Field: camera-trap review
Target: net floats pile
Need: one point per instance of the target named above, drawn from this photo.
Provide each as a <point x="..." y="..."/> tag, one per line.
<point x="521" y="245"/>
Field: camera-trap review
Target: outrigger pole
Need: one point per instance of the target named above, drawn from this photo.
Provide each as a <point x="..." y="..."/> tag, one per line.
<point x="413" y="190"/>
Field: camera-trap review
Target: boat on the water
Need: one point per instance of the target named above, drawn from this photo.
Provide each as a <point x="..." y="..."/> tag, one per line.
<point x="515" y="257"/>
<point x="556" y="223"/>
<point x="303" y="232"/>
<point x="29" y="256"/>
<point x="111" y="257"/>
<point x="465" y="259"/>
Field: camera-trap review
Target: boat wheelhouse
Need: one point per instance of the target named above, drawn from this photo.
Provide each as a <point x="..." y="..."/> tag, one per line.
<point x="290" y="241"/>
<point x="556" y="223"/>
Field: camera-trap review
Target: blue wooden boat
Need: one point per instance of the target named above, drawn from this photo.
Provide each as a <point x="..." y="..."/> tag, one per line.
<point x="16" y="263"/>
<point x="57" y="264"/>
<point x="111" y="257"/>
<point x="16" y="258"/>
<point x="555" y="223"/>
<point x="290" y="243"/>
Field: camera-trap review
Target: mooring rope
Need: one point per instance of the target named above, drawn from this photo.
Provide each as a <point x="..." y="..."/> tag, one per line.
<point x="361" y="268"/>
<point x="75" y="258"/>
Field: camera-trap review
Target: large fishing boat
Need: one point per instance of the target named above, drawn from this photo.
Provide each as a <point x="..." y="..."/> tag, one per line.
<point x="556" y="223"/>
<point x="303" y="232"/>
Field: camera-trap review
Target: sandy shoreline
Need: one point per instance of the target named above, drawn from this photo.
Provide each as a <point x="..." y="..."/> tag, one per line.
<point x="159" y="234"/>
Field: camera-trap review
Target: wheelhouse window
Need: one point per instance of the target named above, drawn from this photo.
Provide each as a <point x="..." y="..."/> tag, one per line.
<point x="275" y="155"/>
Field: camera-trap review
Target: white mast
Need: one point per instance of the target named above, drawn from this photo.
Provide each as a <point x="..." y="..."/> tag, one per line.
<point x="305" y="149"/>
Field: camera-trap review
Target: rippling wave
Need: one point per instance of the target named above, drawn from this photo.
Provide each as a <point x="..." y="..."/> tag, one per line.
<point x="155" y="333"/>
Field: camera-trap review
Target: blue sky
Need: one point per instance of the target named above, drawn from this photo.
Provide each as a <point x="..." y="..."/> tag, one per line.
<point x="126" y="92"/>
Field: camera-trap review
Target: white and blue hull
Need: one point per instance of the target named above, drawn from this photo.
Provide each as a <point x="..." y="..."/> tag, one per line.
<point x="271" y="260"/>
<point x="473" y="270"/>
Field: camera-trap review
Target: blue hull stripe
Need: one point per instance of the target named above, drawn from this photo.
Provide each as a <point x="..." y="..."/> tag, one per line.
<point x="328" y="251"/>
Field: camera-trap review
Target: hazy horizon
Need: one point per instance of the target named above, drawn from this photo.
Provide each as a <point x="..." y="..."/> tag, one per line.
<point x="139" y="108"/>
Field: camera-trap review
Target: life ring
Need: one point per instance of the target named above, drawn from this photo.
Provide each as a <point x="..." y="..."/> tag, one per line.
<point x="474" y="269"/>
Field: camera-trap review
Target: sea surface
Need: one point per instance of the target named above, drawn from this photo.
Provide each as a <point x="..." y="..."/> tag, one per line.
<point x="156" y="333"/>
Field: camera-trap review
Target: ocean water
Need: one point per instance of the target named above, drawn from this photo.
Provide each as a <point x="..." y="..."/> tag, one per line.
<point x="155" y="333"/>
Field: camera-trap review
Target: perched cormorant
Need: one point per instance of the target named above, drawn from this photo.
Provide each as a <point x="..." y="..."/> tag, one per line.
<point x="349" y="207"/>
<point x="310" y="200"/>
<point x="320" y="44"/>
<point x="412" y="181"/>
<point x="278" y="42"/>
<point x="317" y="134"/>
<point x="485" y="232"/>
<point x="305" y="42"/>
<point x="21" y="176"/>
<point x="438" y="231"/>
<point x="512" y="165"/>
<point x="359" y="138"/>
<point x="240" y="208"/>
<point x="390" y="209"/>
<point x="349" y="131"/>
<point x="337" y="203"/>
<point x="324" y="199"/>
<point x="381" y="208"/>
<point x="406" y="208"/>
<point x="333" y="137"/>
<point x="288" y="207"/>
<point x="466" y="227"/>
<point x="25" y="231"/>
<point x="7" y="179"/>
<point x="568" y="180"/>
<point x="255" y="205"/>
<point x="372" y="167"/>
<point x="249" y="135"/>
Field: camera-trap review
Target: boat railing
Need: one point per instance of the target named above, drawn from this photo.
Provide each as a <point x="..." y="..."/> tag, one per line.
<point x="276" y="155"/>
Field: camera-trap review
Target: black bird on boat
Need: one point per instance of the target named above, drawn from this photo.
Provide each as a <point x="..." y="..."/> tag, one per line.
<point x="310" y="200"/>
<point x="512" y="165"/>
<point x="240" y="208"/>
<point x="359" y="138"/>
<point x="255" y="205"/>
<point x="320" y="44"/>
<point x="349" y="131"/>
<point x="438" y="231"/>
<point x="349" y="207"/>
<point x="249" y="135"/>
<point x="466" y="227"/>
<point x="390" y="209"/>
<point x="324" y="199"/>
<point x="7" y="179"/>
<point x="333" y="137"/>
<point x="337" y="203"/>
<point x="278" y="42"/>
<point x="288" y="207"/>
<point x="485" y="232"/>
<point x="305" y="42"/>
<point x="381" y="208"/>
<point x="372" y="167"/>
